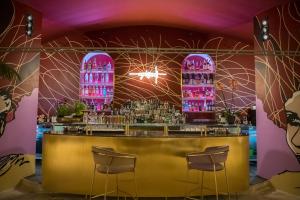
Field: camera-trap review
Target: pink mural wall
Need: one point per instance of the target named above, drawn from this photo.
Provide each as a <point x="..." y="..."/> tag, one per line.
<point x="18" y="121"/>
<point x="277" y="79"/>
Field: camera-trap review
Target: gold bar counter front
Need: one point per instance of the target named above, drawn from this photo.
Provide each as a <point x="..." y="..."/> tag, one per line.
<point x="161" y="168"/>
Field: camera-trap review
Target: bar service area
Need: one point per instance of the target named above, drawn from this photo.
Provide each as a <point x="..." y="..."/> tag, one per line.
<point x="158" y="132"/>
<point x="110" y="100"/>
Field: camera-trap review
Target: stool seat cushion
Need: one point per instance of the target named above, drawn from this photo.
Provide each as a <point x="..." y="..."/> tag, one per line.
<point x="205" y="166"/>
<point x="115" y="169"/>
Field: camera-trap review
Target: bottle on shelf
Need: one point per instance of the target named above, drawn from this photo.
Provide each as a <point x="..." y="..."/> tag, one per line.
<point x="101" y="91"/>
<point x="97" y="91"/>
<point x="89" y="66"/>
<point x="102" y="78"/>
<point x="94" y="65"/>
<point x="108" y="66"/>
<point x="96" y="78"/>
<point x="104" y="91"/>
<point x="86" y="78"/>
<point x="86" y="91"/>
<point x="106" y="77"/>
<point x="91" y="78"/>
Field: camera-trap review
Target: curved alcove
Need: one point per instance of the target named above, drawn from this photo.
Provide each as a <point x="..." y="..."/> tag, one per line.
<point x="97" y="80"/>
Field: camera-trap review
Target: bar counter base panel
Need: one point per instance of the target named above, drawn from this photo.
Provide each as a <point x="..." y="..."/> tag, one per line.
<point x="161" y="168"/>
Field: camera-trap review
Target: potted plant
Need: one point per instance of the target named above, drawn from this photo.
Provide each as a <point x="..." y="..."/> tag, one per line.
<point x="79" y="107"/>
<point x="62" y="111"/>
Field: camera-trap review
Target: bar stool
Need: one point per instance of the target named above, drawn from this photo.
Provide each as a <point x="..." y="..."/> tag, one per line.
<point x="107" y="161"/>
<point x="212" y="159"/>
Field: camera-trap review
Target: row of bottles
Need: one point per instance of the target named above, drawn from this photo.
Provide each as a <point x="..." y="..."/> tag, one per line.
<point x="195" y="106"/>
<point x="98" y="105"/>
<point x="94" y="66"/>
<point x="198" y="92"/>
<point x="196" y="79"/>
<point x="96" y="91"/>
<point x="151" y="111"/>
<point x="95" y="78"/>
<point x="197" y="65"/>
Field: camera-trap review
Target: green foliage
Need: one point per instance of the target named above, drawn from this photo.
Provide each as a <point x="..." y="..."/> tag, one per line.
<point x="8" y="72"/>
<point x="64" y="110"/>
<point x="79" y="107"/>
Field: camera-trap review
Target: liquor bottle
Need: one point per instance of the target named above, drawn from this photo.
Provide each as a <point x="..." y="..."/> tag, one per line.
<point x="90" y="90"/>
<point x="93" y="90"/>
<point x="104" y="66"/>
<point x="104" y="91"/>
<point x="208" y="66"/>
<point x="89" y="66"/>
<point x="101" y="91"/>
<point x="205" y="78"/>
<point x="108" y="66"/>
<point x="187" y="80"/>
<point x="96" y="78"/>
<point x="86" y="91"/>
<point x="86" y="78"/>
<point x="204" y="106"/>
<point x="94" y="66"/>
<point x="202" y="79"/>
<point x="102" y="78"/>
<point x="106" y="77"/>
<point x="208" y="79"/>
<point x="91" y="78"/>
<point x="97" y="91"/>
<point x="100" y="67"/>
<point x="207" y="92"/>
<point x="196" y="107"/>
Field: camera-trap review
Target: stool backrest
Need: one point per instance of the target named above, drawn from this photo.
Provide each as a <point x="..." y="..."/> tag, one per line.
<point x="211" y="155"/>
<point x="108" y="159"/>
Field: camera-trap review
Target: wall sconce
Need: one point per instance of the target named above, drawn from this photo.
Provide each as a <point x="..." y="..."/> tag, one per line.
<point x="264" y="30"/>
<point x="29" y="25"/>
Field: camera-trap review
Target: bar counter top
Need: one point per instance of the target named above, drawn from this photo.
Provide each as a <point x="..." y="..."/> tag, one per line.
<point x="114" y="133"/>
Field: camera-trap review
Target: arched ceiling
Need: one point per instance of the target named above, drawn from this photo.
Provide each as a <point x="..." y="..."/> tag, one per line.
<point x="231" y="17"/>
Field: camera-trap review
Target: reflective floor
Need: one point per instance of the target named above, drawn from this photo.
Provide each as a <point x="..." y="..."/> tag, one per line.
<point x="30" y="189"/>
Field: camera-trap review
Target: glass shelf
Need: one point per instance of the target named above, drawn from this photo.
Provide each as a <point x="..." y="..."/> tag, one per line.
<point x="96" y="84"/>
<point x="197" y="70"/>
<point x="97" y="71"/>
<point x="96" y="97"/>
<point x="198" y="98"/>
<point x="198" y="85"/>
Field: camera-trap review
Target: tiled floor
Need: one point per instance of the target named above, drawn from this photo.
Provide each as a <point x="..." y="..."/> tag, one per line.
<point x="30" y="189"/>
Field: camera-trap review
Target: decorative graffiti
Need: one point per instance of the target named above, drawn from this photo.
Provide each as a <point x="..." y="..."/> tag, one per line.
<point x="7" y="108"/>
<point x="293" y="123"/>
<point x="10" y="160"/>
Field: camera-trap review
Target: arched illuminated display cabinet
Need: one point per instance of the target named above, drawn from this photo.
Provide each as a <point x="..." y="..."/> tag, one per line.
<point x="97" y="80"/>
<point x="198" y="90"/>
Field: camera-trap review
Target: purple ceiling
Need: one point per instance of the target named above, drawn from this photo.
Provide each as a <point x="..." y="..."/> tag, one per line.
<point x="231" y="17"/>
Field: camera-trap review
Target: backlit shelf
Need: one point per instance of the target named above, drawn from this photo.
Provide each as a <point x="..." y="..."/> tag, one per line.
<point x="97" y="84"/>
<point x="97" y="71"/>
<point x="96" y="97"/>
<point x="198" y="72"/>
<point x="198" y="98"/>
<point x="198" y="85"/>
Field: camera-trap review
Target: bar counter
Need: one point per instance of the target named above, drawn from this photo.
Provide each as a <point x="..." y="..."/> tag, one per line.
<point x="161" y="169"/>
